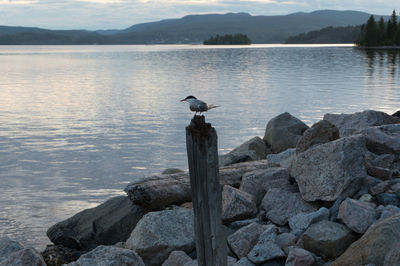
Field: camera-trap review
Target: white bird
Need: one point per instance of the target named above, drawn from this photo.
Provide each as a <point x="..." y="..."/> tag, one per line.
<point x="196" y="105"/>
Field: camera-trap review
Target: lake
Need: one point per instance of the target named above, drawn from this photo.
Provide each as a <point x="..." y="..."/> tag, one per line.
<point x="78" y="123"/>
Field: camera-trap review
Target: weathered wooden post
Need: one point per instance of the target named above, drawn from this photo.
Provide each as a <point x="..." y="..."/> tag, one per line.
<point x="201" y="142"/>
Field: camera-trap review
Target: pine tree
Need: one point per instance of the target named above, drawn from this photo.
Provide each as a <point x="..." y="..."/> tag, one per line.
<point x="391" y="27"/>
<point x="371" y="32"/>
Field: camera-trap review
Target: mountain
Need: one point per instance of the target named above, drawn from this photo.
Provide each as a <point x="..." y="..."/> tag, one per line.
<point x="193" y="29"/>
<point x="329" y="34"/>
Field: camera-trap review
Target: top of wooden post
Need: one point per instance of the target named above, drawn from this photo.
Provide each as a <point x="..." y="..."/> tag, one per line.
<point x="199" y="127"/>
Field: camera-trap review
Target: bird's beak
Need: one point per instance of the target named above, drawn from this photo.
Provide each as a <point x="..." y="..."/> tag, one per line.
<point x="183" y="100"/>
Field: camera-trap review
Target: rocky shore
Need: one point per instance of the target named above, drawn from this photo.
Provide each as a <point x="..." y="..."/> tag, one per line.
<point x="328" y="194"/>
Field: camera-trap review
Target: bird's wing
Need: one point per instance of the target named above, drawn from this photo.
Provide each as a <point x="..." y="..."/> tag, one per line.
<point x="202" y="106"/>
<point x="211" y="106"/>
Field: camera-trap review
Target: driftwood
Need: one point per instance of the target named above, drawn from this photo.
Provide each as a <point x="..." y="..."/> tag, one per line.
<point x="152" y="192"/>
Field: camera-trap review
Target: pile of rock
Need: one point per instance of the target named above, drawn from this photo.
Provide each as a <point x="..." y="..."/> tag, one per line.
<point x="325" y="194"/>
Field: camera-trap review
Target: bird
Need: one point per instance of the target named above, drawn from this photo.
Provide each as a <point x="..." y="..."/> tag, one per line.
<point x="196" y="105"/>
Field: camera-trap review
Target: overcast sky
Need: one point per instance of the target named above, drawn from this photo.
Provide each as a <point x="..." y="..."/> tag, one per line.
<point x="120" y="14"/>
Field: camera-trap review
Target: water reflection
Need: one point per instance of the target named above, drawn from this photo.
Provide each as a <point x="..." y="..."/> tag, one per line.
<point x="77" y="123"/>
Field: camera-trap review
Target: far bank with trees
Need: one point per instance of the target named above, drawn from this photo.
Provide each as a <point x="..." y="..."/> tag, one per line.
<point x="228" y="39"/>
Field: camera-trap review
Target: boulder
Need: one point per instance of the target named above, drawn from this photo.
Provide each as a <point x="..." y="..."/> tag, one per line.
<point x="285" y="240"/>
<point x="266" y="249"/>
<point x="300" y="222"/>
<point x="243" y="240"/>
<point x="242" y="223"/>
<point x="350" y="124"/>
<point x="280" y="205"/>
<point x="237" y="204"/>
<point x="379" y="188"/>
<point x="258" y="182"/>
<point x="299" y="257"/>
<point x="55" y="255"/>
<point x="157" y="234"/>
<point x="387" y="199"/>
<point x="392" y="258"/>
<point x="327" y="239"/>
<point x="23" y="257"/>
<point x="244" y="262"/>
<point x="109" y="256"/>
<point x="170" y="171"/>
<point x="357" y="215"/>
<point x="384" y="212"/>
<point x="282" y="159"/>
<point x="177" y="258"/>
<point x="252" y="150"/>
<point x="374" y="245"/>
<point x="283" y="132"/>
<point x="106" y="224"/>
<point x="325" y="171"/>
<point x="383" y="139"/>
<point x="319" y="133"/>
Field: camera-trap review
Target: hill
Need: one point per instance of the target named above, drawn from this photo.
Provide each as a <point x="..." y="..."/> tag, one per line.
<point x="192" y="29"/>
<point x="347" y="34"/>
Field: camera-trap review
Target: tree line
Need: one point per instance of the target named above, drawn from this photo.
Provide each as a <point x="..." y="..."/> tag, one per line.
<point x="228" y="39"/>
<point x="380" y="33"/>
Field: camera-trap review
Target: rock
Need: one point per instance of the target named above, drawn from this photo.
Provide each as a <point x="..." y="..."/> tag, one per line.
<point x="237" y="204"/>
<point x="55" y="255"/>
<point x="258" y="182"/>
<point x="299" y="257"/>
<point x="280" y="205"/>
<point x="387" y="199"/>
<point x="301" y="221"/>
<point x="282" y="159"/>
<point x="252" y="150"/>
<point x="9" y="246"/>
<point x="379" y="172"/>
<point x="109" y="256"/>
<point x="171" y="171"/>
<point x="325" y="171"/>
<point x="365" y="198"/>
<point x="383" y="160"/>
<point x="243" y="240"/>
<point x="379" y="188"/>
<point x="242" y="223"/>
<point x="373" y="246"/>
<point x="383" y="139"/>
<point x="106" y="224"/>
<point x="321" y="132"/>
<point x="230" y="262"/>
<point x="350" y="124"/>
<point x="177" y="258"/>
<point x="159" y="233"/>
<point x="285" y="240"/>
<point x="283" y="132"/>
<point x="384" y="212"/>
<point x="244" y="262"/>
<point x="23" y="257"/>
<point x="327" y="239"/>
<point x="266" y="249"/>
<point x="392" y="258"/>
<point x="357" y="215"/>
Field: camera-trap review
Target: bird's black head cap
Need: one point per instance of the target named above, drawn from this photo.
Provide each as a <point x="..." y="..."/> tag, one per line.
<point x="190" y="97"/>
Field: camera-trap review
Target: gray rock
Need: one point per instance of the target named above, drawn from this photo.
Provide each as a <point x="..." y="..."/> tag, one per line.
<point x="283" y="132"/>
<point x="374" y="245"/>
<point x="379" y="188"/>
<point x="280" y="205"/>
<point x="244" y="262"/>
<point x="266" y="249"/>
<point x="243" y="240"/>
<point x="392" y="258"/>
<point x="285" y="240"/>
<point x="379" y="172"/>
<point x="8" y="246"/>
<point x="109" y="256"/>
<point x="159" y="233"/>
<point x="177" y="258"/>
<point x="327" y="239"/>
<point x="299" y="257"/>
<point x="24" y="257"/>
<point x="384" y="212"/>
<point x="255" y="149"/>
<point x="325" y="171"/>
<point x="383" y="160"/>
<point x="383" y="139"/>
<point x="321" y="132"/>
<point x="301" y="221"/>
<point x="106" y="224"/>
<point x="357" y="215"/>
<point x="237" y="204"/>
<point x="55" y="255"/>
<point x="350" y="124"/>
<point x="282" y="159"/>
<point x="170" y="171"/>
<point x="258" y="182"/>
<point x="387" y="199"/>
<point x="242" y="223"/>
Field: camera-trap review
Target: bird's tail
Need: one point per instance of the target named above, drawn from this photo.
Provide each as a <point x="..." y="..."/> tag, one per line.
<point x="211" y="106"/>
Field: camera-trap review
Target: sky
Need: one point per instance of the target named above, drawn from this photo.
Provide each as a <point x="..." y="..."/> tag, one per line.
<point x="120" y="14"/>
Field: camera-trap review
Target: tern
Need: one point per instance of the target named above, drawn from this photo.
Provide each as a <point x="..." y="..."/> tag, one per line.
<point x="196" y="105"/>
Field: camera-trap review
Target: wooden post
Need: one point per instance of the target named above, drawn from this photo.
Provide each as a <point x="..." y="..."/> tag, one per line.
<point x="201" y="142"/>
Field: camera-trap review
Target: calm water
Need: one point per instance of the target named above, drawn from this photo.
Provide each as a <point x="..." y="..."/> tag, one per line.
<point x="77" y="123"/>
